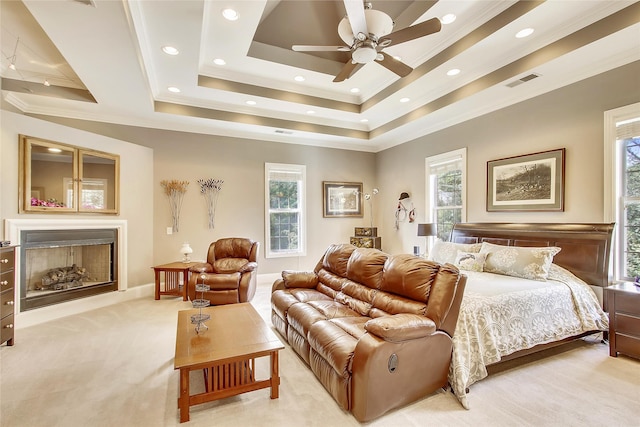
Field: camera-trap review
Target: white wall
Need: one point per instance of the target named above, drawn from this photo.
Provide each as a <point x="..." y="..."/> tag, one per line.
<point x="136" y="185"/>
<point x="571" y="117"/>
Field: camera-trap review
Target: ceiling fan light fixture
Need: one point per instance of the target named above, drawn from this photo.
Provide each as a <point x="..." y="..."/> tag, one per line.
<point x="12" y="66"/>
<point x="364" y="54"/>
<point x="378" y="24"/>
<point x="448" y="18"/>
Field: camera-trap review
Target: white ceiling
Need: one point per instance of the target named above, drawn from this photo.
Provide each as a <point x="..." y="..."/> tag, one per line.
<point x="105" y="63"/>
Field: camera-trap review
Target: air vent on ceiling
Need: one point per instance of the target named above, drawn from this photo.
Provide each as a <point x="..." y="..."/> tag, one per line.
<point x="523" y="80"/>
<point x="284" y="132"/>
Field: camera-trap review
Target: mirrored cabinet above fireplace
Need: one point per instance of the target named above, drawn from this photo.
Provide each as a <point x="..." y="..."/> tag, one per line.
<point x="61" y="178"/>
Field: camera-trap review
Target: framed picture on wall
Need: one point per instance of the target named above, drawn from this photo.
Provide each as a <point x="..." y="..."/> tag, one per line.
<point x="532" y="182"/>
<point x="341" y="199"/>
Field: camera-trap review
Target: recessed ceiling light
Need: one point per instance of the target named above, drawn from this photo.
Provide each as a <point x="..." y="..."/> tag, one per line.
<point x="364" y="120"/>
<point x="354" y="90"/>
<point x="453" y="72"/>
<point x="170" y="50"/>
<point x="219" y="61"/>
<point x="311" y="112"/>
<point x="251" y="102"/>
<point x="173" y="89"/>
<point x="46" y="83"/>
<point x="298" y="78"/>
<point x="54" y="150"/>
<point x="405" y="99"/>
<point x="524" y="33"/>
<point x="230" y="14"/>
<point x="448" y="18"/>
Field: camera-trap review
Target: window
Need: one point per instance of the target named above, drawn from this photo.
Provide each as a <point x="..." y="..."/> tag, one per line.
<point x="622" y="188"/>
<point x="446" y="186"/>
<point x="285" y="210"/>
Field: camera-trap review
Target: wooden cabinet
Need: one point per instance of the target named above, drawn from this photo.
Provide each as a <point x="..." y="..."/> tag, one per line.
<point x="623" y="304"/>
<point x="7" y="294"/>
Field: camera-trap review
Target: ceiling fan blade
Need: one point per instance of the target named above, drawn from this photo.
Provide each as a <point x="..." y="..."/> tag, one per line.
<point x="422" y="29"/>
<point x="305" y="48"/>
<point x="355" y="12"/>
<point x="392" y="64"/>
<point x="346" y="71"/>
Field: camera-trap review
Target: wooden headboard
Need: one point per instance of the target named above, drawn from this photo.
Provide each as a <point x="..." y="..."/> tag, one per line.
<point x="585" y="247"/>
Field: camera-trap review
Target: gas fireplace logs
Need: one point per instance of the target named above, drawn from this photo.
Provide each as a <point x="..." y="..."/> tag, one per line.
<point x="64" y="278"/>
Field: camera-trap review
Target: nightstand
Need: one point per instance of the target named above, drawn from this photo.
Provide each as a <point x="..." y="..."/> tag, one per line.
<point x="623" y="304"/>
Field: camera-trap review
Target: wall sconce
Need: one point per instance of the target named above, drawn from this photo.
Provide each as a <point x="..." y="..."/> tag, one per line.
<point x="186" y="251"/>
<point x="427" y="230"/>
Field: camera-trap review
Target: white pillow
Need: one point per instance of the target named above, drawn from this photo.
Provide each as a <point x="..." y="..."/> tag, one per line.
<point x="445" y="252"/>
<point x="470" y="261"/>
<point x="526" y="262"/>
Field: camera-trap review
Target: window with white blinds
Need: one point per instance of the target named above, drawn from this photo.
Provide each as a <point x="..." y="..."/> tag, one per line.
<point x="622" y="188"/>
<point x="446" y="190"/>
<point x="285" y="233"/>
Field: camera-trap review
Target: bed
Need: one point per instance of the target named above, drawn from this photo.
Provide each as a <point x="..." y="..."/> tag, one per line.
<point x="502" y="316"/>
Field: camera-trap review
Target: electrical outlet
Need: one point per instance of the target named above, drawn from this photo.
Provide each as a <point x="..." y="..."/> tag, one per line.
<point x="169" y="230"/>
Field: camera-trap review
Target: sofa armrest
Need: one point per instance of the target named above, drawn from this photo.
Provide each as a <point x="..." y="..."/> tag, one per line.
<point x="248" y="267"/>
<point x="299" y="279"/>
<point x="401" y="327"/>
<point x="201" y="267"/>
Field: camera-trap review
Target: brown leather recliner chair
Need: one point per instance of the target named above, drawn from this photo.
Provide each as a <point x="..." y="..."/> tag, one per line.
<point x="230" y="272"/>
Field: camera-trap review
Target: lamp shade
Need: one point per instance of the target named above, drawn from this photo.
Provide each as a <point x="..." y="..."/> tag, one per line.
<point x="427" y="229"/>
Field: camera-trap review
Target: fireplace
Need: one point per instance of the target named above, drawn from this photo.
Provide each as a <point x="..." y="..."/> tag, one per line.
<point x="60" y="265"/>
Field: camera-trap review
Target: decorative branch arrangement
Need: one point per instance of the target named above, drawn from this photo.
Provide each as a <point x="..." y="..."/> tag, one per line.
<point x="210" y="188"/>
<point x="175" y="190"/>
<point x="367" y="197"/>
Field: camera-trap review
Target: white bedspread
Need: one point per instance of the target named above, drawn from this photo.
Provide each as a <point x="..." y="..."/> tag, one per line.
<point x="500" y="315"/>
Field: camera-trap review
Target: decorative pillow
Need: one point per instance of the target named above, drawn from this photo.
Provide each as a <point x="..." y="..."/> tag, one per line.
<point x="470" y="261"/>
<point x="445" y="252"/>
<point x="526" y="262"/>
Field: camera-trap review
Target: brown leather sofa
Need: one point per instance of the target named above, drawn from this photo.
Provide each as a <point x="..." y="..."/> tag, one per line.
<point x="374" y="328"/>
<point x="231" y="272"/>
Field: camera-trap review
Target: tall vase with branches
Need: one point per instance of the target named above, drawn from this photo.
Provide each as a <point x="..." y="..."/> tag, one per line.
<point x="175" y="189"/>
<point x="210" y="188"/>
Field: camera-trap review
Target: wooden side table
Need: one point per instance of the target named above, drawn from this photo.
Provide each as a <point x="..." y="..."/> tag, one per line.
<point x="173" y="272"/>
<point x="623" y="305"/>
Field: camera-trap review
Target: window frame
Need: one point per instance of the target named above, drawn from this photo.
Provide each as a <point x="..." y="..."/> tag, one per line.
<point x="302" y="229"/>
<point x="613" y="184"/>
<point x="450" y="156"/>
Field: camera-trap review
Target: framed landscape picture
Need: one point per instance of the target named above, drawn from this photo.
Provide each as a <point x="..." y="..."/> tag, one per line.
<point x="342" y="199"/>
<point x="533" y="182"/>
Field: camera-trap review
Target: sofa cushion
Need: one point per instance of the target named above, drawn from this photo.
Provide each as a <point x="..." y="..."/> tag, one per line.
<point x="301" y="316"/>
<point x="385" y="303"/>
<point x="408" y="276"/>
<point x="281" y="300"/>
<point x="365" y="266"/>
<point x="354" y="326"/>
<point x="332" y="309"/>
<point x="443" y="289"/>
<point x="356" y="296"/>
<point x="336" y="258"/>
<point x="305" y="295"/>
<point x="334" y="345"/>
<point x="229" y="265"/>
<point x="331" y="280"/>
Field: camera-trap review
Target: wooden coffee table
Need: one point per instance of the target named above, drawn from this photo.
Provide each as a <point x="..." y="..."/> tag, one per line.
<point x="226" y="352"/>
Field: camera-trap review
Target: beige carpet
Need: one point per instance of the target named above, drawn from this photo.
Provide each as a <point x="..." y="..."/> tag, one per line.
<point x="114" y="367"/>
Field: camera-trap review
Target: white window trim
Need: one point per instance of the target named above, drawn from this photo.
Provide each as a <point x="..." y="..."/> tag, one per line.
<point x="612" y="185"/>
<point x="302" y="237"/>
<point x="440" y="158"/>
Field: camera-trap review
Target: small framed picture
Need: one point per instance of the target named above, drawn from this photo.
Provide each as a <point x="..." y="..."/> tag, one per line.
<point x="342" y="199"/>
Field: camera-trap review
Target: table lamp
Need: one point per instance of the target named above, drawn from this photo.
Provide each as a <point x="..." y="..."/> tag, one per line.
<point x="427" y="230"/>
<point x="186" y="251"/>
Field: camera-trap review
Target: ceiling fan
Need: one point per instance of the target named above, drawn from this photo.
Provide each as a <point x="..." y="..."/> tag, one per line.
<point x="366" y="32"/>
